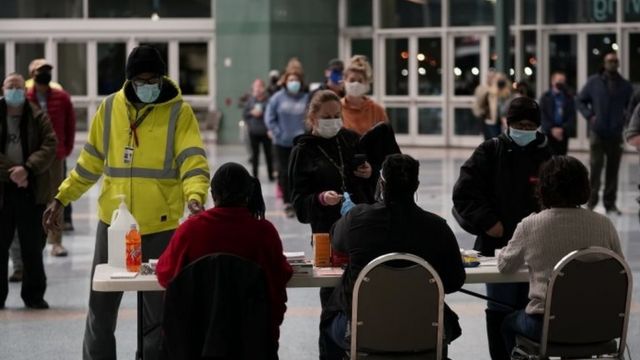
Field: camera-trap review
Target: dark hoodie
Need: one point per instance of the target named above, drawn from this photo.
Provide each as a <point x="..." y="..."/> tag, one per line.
<point x="497" y="183"/>
<point x="311" y="173"/>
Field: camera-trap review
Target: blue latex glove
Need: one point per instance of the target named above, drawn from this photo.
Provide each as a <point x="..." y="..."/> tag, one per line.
<point x="347" y="204"/>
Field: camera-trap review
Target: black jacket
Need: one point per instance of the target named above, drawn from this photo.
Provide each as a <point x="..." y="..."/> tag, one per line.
<point x="497" y="183"/>
<point x="548" y="111"/>
<point x="310" y="173"/>
<point x="255" y="125"/>
<point x="369" y="231"/>
<point x="608" y="105"/>
<point x="218" y="308"/>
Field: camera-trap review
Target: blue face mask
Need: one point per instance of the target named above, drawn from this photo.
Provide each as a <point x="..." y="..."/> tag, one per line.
<point x="522" y="137"/>
<point x="148" y="93"/>
<point x="14" y="97"/>
<point x="293" y="87"/>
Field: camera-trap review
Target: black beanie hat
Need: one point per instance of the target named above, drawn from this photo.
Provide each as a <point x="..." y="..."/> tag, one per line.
<point x="145" y="58"/>
<point x="523" y="108"/>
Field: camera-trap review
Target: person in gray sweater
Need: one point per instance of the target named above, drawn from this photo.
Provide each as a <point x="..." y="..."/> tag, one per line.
<point x="543" y="239"/>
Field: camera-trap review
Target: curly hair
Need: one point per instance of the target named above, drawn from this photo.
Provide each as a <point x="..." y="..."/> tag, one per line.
<point x="564" y="183"/>
<point x="359" y="64"/>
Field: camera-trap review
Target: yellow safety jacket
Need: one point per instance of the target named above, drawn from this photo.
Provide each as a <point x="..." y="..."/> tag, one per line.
<point x="167" y="166"/>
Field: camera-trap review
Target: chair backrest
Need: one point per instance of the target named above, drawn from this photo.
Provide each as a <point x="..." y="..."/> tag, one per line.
<point x="588" y="299"/>
<point x="217" y="308"/>
<point x="397" y="309"/>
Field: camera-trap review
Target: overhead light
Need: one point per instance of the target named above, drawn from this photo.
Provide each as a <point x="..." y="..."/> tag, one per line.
<point x="405" y="72"/>
<point x="457" y="71"/>
<point x="475" y="71"/>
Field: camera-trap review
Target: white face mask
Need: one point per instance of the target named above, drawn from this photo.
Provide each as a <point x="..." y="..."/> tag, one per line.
<point x="356" y="88"/>
<point x="328" y="128"/>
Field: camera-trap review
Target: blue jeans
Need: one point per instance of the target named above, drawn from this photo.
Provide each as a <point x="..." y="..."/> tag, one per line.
<point x="521" y="323"/>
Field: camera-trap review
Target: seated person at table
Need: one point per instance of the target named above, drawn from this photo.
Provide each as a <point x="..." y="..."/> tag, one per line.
<point x="543" y="239"/>
<point x="236" y="225"/>
<point x="395" y="223"/>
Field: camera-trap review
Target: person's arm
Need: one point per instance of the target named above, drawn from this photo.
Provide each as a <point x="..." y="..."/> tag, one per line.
<point x="546" y="116"/>
<point x="246" y="111"/>
<point x="69" y="126"/>
<point x="511" y="257"/>
<point x="633" y="130"/>
<point x="304" y="198"/>
<point x="614" y="239"/>
<point x="90" y="163"/>
<point x="583" y="101"/>
<point x="340" y="232"/>
<point x="173" y="257"/>
<point x="473" y="193"/>
<point x="452" y="274"/>
<point x="271" y="115"/>
<point x="190" y="156"/>
<point x="40" y="160"/>
<point x="570" y="115"/>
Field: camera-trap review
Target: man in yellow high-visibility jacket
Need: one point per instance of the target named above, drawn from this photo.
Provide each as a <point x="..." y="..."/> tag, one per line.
<point x="146" y="143"/>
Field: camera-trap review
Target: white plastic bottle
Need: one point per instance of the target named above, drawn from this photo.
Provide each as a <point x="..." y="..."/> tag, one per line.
<point x="121" y="222"/>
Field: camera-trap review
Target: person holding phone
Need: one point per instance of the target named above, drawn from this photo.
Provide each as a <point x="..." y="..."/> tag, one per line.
<point x="324" y="173"/>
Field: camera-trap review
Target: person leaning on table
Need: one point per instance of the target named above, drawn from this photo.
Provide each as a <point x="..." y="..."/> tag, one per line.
<point x="145" y="141"/>
<point x="543" y="239"/>
<point x="395" y="223"/>
<point x="236" y="225"/>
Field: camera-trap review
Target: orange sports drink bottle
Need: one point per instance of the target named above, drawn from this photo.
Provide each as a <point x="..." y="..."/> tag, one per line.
<point x="133" y="249"/>
<point x="321" y="250"/>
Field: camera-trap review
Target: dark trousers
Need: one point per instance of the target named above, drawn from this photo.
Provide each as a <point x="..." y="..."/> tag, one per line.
<point x="99" y="341"/>
<point x="558" y="147"/>
<point x="521" y="323"/>
<point x="19" y="211"/>
<point x="513" y="294"/>
<point x="67" y="209"/>
<point x="283" y="153"/>
<point x="604" y="153"/>
<point x="255" y="141"/>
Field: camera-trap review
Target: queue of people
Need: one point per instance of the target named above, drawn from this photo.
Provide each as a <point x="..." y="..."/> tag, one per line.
<point x="325" y="174"/>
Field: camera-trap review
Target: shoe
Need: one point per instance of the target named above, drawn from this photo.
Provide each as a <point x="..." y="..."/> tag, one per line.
<point x="613" y="210"/>
<point x="289" y="211"/>
<point x="16" y="276"/>
<point x="58" y="250"/>
<point x="40" y="304"/>
<point x="68" y="226"/>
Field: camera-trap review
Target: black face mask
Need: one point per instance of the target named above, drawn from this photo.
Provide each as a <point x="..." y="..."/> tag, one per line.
<point x="501" y="84"/>
<point x="43" y="78"/>
<point x="561" y="87"/>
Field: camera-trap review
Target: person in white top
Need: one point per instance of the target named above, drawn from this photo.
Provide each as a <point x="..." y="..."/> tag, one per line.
<point x="543" y="239"/>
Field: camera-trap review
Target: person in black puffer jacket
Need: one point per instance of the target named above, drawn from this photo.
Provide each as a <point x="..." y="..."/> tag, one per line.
<point x="495" y="191"/>
<point x="323" y="170"/>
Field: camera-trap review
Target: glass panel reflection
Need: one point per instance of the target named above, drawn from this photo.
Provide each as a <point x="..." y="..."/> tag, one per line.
<point x="397" y="63"/>
<point x="111" y="67"/>
<point x="193" y="69"/>
<point x="429" y="66"/>
<point x="465" y="123"/>
<point x="430" y="121"/>
<point x="598" y="45"/>
<point x="466" y="69"/>
<point x="399" y="119"/>
<point x="403" y="13"/>
<point x="72" y="67"/>
<point x="563" y="50"/>
<point x="155" y="9"/>
<point x="25" y="53"/>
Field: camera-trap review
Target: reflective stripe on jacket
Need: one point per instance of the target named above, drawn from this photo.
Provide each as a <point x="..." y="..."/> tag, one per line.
<point x="167" y="168"/>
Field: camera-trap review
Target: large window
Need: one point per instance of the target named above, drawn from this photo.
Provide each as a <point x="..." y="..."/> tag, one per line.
<point x="194" y="79"/>
<point x="466" y="123"/>
<point x="598" y="45"/>
<point x="399" y="119"/>
<point x="397" y="64"/>
<point x="429" y="66"/>
<point x="72" y="67"/>
<point x="529" y="11"/>
<point x="466" y="69"/>
<point x="408" y="13"/>
<point x="111" y="67"/>
<point x="631" y="10"/>
<point x="25" y="53"/>
<point x="362" y="47"/>
<point x="11" y="9"/>
<point x="633" y="54"/>
<point x="563" y="51"/>
<point x="529" y="70"/>
<point x="359" y="12"/>
<point x="493" y="55"/>
<point x="475" y="12"/>
<point x="429" y="121"/>
<point x="579" y="11"/>
<point x="148" y="9"/>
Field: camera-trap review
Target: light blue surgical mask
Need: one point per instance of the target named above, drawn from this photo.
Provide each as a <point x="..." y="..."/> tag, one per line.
<point x="14" y="97"/>
<point x="293" y="86"/>
<point x="148" y="93"/>
<point x="522" y="137"/>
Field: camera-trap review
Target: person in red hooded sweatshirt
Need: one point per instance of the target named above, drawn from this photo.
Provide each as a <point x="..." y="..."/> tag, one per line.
<point x="56" y="103"/>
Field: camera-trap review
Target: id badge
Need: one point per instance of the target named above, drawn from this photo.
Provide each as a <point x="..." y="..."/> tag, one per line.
<point x="128" y="154"/>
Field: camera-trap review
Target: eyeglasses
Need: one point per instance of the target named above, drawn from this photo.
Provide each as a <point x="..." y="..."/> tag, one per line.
<point x="151" y="81"/>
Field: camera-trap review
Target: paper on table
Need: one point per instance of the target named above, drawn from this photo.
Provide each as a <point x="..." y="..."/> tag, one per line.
<point x="488" y="261"/>
<point x="124" y="275"/>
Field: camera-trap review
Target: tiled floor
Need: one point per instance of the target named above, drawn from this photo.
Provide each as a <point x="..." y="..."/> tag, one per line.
<point x="57" y="333"/>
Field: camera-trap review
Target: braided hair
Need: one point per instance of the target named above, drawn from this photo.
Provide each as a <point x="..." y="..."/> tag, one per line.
<point x="232" y="186"/>
<point x="399" y="178"/>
